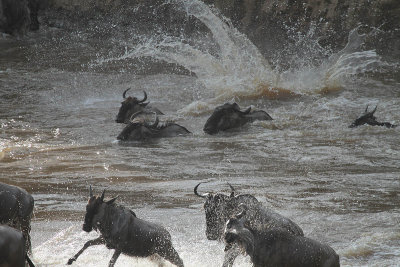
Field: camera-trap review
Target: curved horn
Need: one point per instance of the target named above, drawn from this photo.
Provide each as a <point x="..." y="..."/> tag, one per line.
<point x="197" y="194"/>
<point x="102" y="195"/>
<point x="156" y="121"/>
<point x="366" y="109"/>
<point x="135" y="114"/>
<point x="124" y="93"/>
<point x="90" y="191"/>
<point x="144" y="98"/>
<point x="232" y="190"/>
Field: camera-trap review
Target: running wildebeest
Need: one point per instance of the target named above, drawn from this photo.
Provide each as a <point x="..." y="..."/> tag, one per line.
<point x="229" y="116"/>
<point x="219" y="208"/>
<point x="16" y="208"/>
<point x="12" y="248"/>
<point x="370" y="119"/>
<point x="277" y="247"/>
<point x="139" y="130"/>
<point x="121" y="230"/>
<point x="132" y="105"/>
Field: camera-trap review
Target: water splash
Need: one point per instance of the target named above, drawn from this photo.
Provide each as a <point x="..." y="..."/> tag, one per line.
<point x="237" y="69"/>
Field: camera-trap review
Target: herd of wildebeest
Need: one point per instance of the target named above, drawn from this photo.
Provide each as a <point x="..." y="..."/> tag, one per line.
<point x="241" y="221"/>
<point x="225" y="117"/>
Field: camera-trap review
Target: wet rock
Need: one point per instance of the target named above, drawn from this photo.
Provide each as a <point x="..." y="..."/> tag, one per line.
<point x="18" y="16"/>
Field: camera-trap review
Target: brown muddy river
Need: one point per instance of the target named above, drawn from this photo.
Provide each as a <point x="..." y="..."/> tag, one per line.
<point x="58" y="136"/>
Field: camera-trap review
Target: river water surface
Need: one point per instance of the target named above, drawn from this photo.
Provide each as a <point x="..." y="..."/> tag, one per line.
<point x="60" y="91"/>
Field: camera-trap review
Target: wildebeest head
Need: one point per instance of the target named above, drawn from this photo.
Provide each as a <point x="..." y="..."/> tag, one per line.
<point x="92" y="208"/>
<point x="224" y="117"/>
<point x="236" y="232"/>
<point x="129" y="106"/>
<point x="366" y="118"/>
<point x="219" y="208"/>
<point x="370" y="119"/>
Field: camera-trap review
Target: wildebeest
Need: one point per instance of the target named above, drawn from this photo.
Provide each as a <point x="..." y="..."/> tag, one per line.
<point x="219" y="208"/>
<point x="141" y="130"/>
<point x="16" y="207"/>
<point x="277" y="247"/>
<point x="12" y="248"/>
<point x="132" y="105"/>
<point x="370" y="119"/>
<point x="229" y="116"/>
<point x="121" y="230"/>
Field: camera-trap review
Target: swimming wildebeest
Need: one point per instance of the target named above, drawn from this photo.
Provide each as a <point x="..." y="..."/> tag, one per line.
<point x="121" y="230"/>
<point x="369" y="118"/>
<point x="219" y="208"/>
<point x="12" y="248"/>
<point x="229" y="116"/>
<point x="16" y="207"/>
<point x="277" y="247"/>
<point x="132" y="105"/>
<point x="141" y="130"/>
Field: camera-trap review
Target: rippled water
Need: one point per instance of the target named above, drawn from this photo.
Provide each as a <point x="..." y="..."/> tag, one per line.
<point x="60" y="92"/>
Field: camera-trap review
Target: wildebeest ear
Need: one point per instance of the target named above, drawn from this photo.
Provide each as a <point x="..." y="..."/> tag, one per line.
<point x="112" y="200"/>
<point x="102" y="195"/>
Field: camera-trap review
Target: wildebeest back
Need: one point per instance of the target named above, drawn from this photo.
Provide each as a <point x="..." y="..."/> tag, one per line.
<point x="133" y="236"/>
<point x="280" y="248"/>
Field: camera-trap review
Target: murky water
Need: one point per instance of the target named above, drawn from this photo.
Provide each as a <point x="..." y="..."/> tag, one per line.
<point x="60" y="92"/>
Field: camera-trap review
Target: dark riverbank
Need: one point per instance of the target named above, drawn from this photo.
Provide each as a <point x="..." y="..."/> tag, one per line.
<point x="269" y="24"/>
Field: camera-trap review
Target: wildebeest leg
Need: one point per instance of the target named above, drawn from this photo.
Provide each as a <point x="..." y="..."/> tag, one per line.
<point x="114" y="257"/>
<point x="25" y="227"/>
<point x="97" y="241"/>
<point x="30" y="263"/>
<point x="230" y="256"/>
<point x="172" y="256"/>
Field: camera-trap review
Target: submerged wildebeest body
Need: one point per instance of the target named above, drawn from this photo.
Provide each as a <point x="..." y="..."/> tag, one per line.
<point x="132" y="105"/>
<point x="219" y="208"/>
<point x="121" y="230"/>
<point x="277" y="247"/>
<point x="138" y="131"/>
<point x="12" y="248"/>
<point x="16" y="208"/>
<point x="370" y="119"/>
<point x="229" y="116"/>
